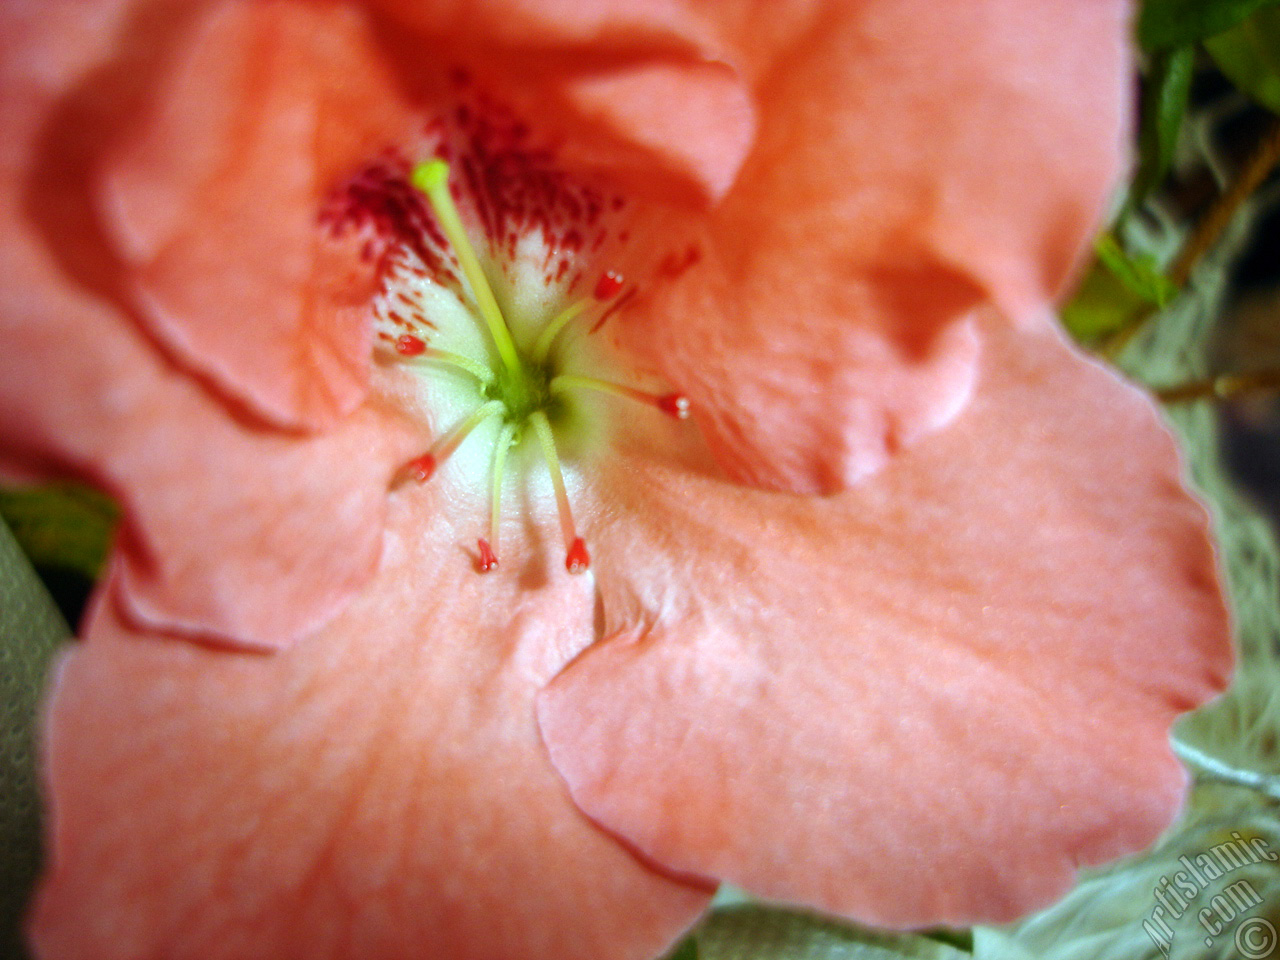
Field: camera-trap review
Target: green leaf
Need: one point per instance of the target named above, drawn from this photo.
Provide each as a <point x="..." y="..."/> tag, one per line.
<point x="1103" y="918"/>
<point x="1100" y="306"/>
<point x="30" y="629"/>
<point x="1116" y="289"/>
<point x="1249" y="55"/>
<point x="756" y="932"/>
<point x="1174" y="23"/>
<point x="64" y="525"/>
<point x="1164" y="103"/>
<point x="688" y="950"/>
<point x="1140" y="274"/>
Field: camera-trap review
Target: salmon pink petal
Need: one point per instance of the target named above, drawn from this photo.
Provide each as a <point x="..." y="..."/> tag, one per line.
<point x="913" y="159"/>
<point x="651" y="25"/>
<point x="212" y="192"/>
<point x="705" y="140"/>
<point x="375" y="792"/>
<point x="231" y="531"/>
<point x="808" y="385"/>
<point x="929" y="699"/>
<point x="601" y="80"/>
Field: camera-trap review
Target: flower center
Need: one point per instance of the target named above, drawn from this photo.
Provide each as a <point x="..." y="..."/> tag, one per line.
<point x="439" y="312"/>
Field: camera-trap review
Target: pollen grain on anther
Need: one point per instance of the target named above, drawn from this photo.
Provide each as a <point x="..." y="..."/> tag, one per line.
<point x="419" y="469"/>
<point x="410" y="346"/>
<point x="577" y="559"/>
<point x="672" y="404"/>
<point x="608" y="286"/>
<point x="487" y="560"/>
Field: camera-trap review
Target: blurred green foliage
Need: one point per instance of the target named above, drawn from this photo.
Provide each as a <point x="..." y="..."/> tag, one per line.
<point x="1116" y="289"/>
<point x="1163" y="24"/>
<point x="1249" y="54"/>
<point x="62" y="526"/>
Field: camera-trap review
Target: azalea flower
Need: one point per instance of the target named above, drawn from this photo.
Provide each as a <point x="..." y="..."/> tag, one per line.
<point x="575" y="454"/>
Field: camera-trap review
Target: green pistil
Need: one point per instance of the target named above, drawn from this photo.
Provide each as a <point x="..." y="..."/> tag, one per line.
<point x="521" y="384"/>
<point x="432" y="178"/>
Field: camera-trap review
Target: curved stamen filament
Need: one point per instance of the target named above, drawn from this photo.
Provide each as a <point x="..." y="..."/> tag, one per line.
<point x="458" y="362"/>
<point x="549" y="333"/>
<point x="672" y="404"/>
<point x="576" y="557"/>
<point x="432" y="178"/>
<point x="414" y="348"/>
<point x="607" y="288"/>
<point x="422" y="468"/>
<point x="489" y="548"/>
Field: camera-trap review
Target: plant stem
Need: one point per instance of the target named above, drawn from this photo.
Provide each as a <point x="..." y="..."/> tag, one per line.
<point x="1221" y="387"/>
<point x="1209" y="229"/>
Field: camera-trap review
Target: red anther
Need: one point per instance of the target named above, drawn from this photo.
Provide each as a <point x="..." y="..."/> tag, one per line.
<point x="421" y="468"/>
<point x="674" y="405"/>
<point x="608" y="285"/>
<point x="488" y="559"/>
<point x="410" y="346"/>
<point x="578" y="558"/>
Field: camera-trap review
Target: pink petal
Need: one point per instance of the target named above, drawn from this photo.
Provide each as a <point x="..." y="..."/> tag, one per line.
<point x="914" y="158"/>
<point x="213" y="191"/>
<point x="601" y="78"/>
<point x="927" y="700"/>
<point x="705" y="139"/>
<point x="231" y="532"/>
<point x="375" y="792"/>
<point x="212" y="194"/>
<point x="548" y="24"/>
